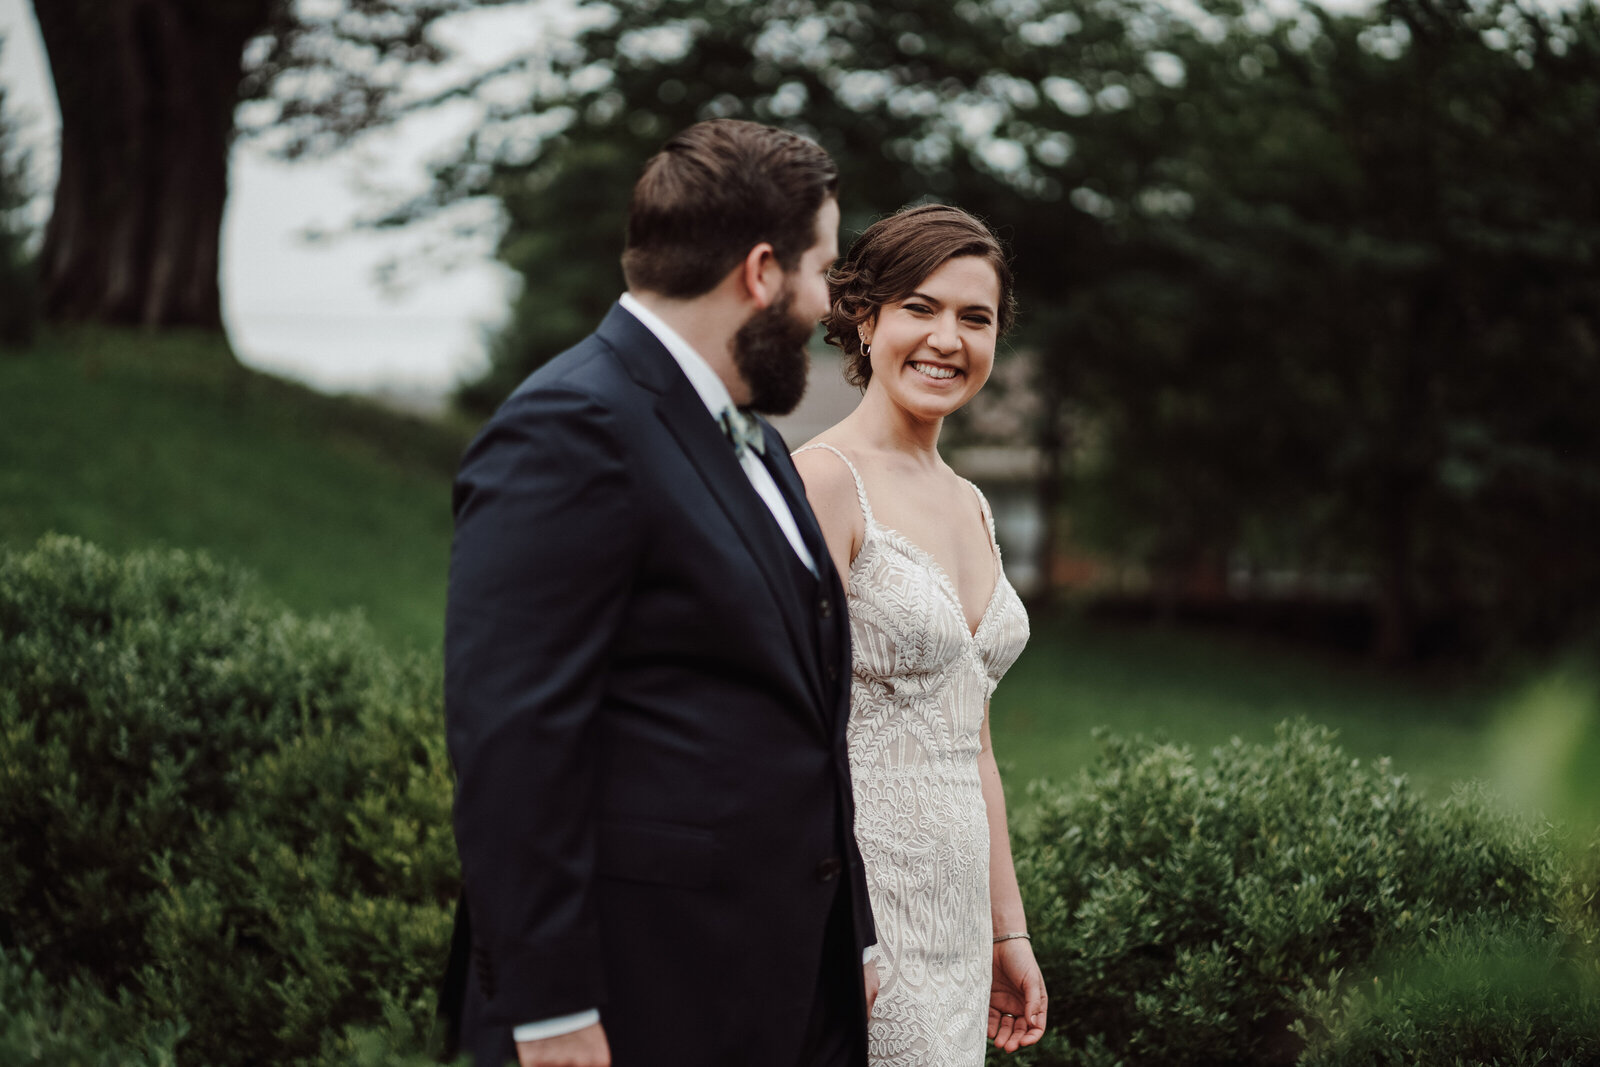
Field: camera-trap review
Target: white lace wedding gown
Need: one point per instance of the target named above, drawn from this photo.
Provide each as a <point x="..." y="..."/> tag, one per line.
<point x="920" y="682"/>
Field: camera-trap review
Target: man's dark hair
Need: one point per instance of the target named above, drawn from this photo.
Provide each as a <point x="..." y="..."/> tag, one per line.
<point x="714" y="192"/>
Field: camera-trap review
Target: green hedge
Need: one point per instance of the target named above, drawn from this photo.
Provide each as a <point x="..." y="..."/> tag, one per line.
<point x="224" y="815"/>
<point x="225" y="839"/>
<point x="1485" y="991"/>
<point x="77" y="1026"/>
<point x="1219" y="913"/>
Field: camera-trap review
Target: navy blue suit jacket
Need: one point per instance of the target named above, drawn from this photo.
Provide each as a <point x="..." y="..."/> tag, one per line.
<point x="646" y="696"/>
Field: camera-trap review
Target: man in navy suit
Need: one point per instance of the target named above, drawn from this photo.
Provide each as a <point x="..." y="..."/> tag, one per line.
<point x="647" y="659"/>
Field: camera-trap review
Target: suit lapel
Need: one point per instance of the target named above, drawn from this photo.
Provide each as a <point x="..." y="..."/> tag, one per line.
<point x="794" y="492"/>
<point x="828" y="582"/>
<point x="684" y="414"/>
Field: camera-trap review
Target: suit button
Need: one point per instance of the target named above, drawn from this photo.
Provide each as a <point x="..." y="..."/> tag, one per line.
<point x="833" y="673"/>
<point x="829" y="869"/>
<point x="824" y="607"/>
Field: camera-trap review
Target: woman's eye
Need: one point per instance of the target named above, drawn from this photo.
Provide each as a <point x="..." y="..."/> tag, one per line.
<point x="978" y="320"/>
<point x="921" y="309"/>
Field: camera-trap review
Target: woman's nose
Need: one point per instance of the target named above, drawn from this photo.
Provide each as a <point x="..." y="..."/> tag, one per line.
<point x="944" y="337"/>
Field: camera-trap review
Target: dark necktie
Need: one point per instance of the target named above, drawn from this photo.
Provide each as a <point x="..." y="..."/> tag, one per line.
<point x="743" y="430"/>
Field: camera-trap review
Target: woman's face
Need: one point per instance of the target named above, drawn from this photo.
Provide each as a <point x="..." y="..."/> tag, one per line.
<point x="933" y="350"/>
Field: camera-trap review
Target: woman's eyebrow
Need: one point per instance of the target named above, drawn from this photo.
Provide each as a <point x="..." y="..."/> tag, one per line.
<point x="925" y="298"/>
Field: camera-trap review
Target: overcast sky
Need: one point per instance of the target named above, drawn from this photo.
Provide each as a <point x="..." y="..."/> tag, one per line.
<point x="314" y="310"/>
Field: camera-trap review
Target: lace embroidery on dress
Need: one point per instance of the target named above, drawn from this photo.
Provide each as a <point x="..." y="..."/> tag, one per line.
<point x="920" y="682"/>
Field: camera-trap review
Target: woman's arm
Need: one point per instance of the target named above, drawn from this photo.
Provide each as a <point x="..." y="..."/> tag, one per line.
<point x="1018" y="1006"/>
<point x="1005" y="896"/>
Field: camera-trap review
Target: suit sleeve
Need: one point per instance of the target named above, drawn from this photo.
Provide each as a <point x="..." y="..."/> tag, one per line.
<point x="540" y="571"/>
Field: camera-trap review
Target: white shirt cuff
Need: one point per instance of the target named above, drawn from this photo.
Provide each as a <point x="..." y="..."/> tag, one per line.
<point x="566" y="1024"/>
<point x="561" y="1024"/>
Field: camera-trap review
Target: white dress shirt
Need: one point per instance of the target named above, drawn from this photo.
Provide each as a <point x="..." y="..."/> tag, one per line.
<point x="715" y="396"/>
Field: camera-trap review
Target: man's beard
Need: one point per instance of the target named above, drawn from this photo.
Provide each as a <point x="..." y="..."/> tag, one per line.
<point x="769" y="352"/>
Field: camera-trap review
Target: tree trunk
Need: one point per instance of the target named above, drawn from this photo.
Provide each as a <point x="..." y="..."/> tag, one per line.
<point x="1395" y="640"/>
<point x="147" y="90"/>
<point x="1052" y="445"/>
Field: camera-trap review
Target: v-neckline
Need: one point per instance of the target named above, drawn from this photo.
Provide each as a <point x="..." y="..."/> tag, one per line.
<point x="927" y="559"/>
<point x="922" y="555"/>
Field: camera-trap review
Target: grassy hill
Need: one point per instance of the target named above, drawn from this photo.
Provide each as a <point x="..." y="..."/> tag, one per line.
<point x="129" y="440"/>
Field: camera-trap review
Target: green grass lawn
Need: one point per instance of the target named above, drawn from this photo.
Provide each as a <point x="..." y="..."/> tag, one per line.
<point x="1202" y="689"/>
<point x="129" y="440"/>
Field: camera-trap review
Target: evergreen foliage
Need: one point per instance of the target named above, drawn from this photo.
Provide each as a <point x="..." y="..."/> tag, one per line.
<point x="1486" y="990"/>
<point x="1314" y="289"/>
<point x="221" y="814"/>
<point x="225" y="839"/>
<point x="73" y="1026"/>
<point x="1217" y="914"/>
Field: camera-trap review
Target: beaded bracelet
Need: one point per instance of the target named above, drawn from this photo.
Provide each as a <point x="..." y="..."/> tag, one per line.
<point x="1008" y="937"/>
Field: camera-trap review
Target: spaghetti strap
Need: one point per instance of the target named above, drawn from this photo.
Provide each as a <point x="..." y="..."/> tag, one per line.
<point x="988" y="515"/>
<point x="861" y="490"/>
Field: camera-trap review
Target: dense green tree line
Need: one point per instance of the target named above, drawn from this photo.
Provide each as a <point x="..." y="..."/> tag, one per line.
<point x="1310" y="291"/>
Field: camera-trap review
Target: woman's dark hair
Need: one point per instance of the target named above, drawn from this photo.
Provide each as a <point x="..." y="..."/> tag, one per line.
<point x="891" y="258"/>
<point x="714" y="192"/>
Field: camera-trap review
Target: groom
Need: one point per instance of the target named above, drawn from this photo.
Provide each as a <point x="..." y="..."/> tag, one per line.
<point x="647" y="659"/>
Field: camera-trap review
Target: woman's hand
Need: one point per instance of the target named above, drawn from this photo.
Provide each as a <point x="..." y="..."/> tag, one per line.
<point x="1017" y="1002"/>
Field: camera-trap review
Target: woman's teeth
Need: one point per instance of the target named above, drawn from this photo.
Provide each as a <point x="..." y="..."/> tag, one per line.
<point x="930" y="371"/>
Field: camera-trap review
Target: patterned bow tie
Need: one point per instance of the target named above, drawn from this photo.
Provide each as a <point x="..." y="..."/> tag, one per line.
<point x="743" y="430"/>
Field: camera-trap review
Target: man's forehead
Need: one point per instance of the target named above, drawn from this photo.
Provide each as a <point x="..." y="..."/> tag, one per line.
<point x="828" y="227"/>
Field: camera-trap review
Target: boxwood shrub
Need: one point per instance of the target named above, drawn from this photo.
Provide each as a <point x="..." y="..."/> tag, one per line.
<point x="217" y="813"/>
<point x="72" y="1025"/>
<point x="1486" y="990"/>
<point x="224" y="839"/>
<point x="1218" y="912"/>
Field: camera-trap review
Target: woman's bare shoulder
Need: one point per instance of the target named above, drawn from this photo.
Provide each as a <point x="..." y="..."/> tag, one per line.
<point x="822" y="468"/>
<point x="830" y="483"/>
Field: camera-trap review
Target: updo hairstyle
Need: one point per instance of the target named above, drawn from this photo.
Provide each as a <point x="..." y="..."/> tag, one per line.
<point x="891" y="258"/>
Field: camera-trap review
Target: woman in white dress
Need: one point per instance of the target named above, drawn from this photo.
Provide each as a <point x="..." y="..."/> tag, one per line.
<point x="918" y="306"/>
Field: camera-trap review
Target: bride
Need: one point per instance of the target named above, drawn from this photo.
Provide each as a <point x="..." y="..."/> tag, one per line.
<point x="918" y="306"/>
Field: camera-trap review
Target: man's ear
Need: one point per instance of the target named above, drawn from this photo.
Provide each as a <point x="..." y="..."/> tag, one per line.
<point x="760" y="275"/>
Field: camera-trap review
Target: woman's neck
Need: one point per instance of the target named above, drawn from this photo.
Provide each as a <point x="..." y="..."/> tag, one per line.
<point x="884" y="425"/>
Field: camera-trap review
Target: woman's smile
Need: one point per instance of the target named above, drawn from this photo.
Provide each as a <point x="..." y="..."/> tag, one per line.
<point x="934" y="370"/>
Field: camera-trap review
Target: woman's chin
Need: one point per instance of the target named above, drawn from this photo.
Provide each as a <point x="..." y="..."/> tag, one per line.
<point x="930" y="409"/>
